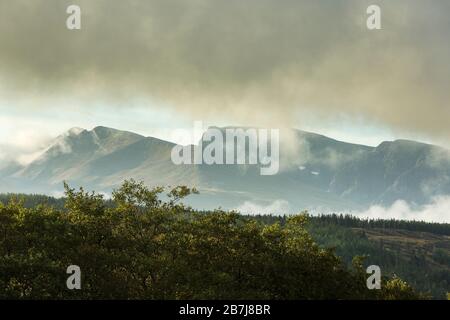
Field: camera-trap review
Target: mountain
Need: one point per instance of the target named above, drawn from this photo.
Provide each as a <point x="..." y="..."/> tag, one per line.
<point x="315" y="171"/>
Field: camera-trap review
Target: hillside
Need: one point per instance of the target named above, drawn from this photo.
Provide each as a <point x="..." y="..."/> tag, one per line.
<point x="316" y="172"/>
<point x="418" y="252"/>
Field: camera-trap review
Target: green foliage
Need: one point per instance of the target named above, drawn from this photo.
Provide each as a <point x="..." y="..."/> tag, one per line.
<point x="441" y="256"/>
<point x="397" y="289"/>
<point x="32" y="200"/>
<point x="147" y="245"/>
<point x="425" y="267"/>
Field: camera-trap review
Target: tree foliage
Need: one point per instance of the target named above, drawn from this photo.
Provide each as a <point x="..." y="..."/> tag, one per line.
<point x="148" y="245"/>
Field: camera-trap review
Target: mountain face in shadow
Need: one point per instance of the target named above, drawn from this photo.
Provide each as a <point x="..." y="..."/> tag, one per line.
<point x="315" y="171"/>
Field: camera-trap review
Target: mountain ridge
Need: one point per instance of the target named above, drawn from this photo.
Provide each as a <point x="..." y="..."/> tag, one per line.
<point x="316" y="171"/>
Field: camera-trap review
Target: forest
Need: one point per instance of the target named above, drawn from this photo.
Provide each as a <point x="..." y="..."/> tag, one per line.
<point x="416" y="251"/>
<point x="144" y="243"/>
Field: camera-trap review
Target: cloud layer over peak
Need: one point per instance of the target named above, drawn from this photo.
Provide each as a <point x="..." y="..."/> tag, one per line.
<point x="260" y="61"/>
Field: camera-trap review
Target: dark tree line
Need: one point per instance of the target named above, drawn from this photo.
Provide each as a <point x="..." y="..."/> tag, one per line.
<point x="365" y="223"/>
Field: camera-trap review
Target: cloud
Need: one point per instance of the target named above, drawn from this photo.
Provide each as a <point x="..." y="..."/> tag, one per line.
<point x="21" y="142"/>
<point x="436" y="211"/>
<point x="279" y="207"/>
<point x="438" y="158"/>
<point x="260" y="61"/>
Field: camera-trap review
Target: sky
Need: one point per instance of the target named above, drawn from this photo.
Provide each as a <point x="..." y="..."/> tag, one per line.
<point x="153" y="66"/>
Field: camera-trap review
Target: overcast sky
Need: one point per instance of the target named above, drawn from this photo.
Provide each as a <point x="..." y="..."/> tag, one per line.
<point x="151" y="66"/>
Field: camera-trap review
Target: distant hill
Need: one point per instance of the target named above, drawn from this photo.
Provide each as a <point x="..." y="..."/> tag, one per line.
<point x="316" y="171"/>
<point x="416" y="251"/>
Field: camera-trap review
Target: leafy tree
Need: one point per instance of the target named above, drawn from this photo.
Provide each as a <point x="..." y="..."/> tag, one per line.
<point x="145" y="244"/>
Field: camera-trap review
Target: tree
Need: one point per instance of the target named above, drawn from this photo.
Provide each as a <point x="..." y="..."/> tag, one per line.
<point x="145" y="244"/>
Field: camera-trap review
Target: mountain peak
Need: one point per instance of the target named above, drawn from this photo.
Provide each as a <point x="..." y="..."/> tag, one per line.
<point x="103" y="132"/>
<point x="75" y="131"/>
<point x="401" y="145"/>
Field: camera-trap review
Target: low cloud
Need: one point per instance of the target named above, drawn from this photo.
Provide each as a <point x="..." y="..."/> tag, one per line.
<point x="436" y="211"/>
<point x="438" y="158"/>
<point x="278" y="207"/>
<point x="22" y="146"/>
